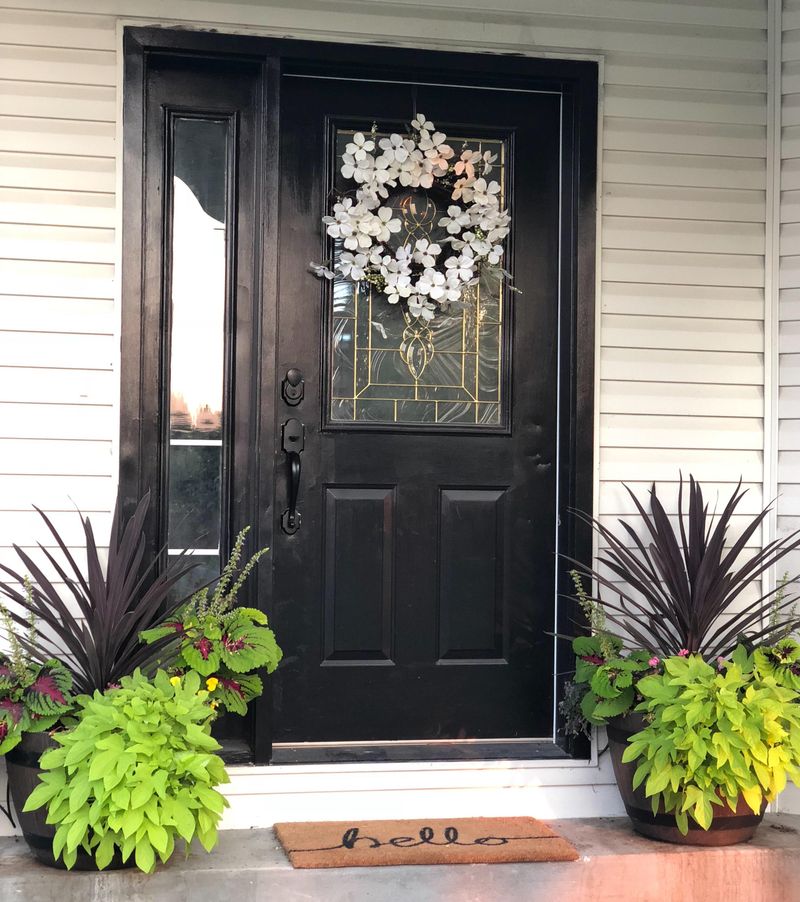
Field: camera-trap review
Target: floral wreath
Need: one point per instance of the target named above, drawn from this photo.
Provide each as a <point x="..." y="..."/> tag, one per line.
<point x="419" y="274"/>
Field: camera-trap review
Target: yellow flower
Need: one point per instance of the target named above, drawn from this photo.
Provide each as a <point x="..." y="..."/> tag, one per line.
<point x="176" y="680"/>
<point x="212" y="683"/>
<point x="214" y="705"/>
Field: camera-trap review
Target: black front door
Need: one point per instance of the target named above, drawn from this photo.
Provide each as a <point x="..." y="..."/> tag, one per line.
<point x="432" y="465"/>
<point x="416" y="599"/>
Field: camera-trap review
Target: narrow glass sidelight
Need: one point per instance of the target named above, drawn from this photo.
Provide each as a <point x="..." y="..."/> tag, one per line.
<point x="198" y="277"/>
<point x="387" y="367"/>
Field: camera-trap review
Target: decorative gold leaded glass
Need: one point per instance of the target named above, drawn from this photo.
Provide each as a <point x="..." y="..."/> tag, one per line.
<point x="388" y="367"/>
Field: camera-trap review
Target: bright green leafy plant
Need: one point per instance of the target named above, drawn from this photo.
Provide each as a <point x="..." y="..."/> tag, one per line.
<point x="137" y="772"/>
<point x="715" y="733"/>
<point x="33" y="696"/>
<point x="223" y="643"/>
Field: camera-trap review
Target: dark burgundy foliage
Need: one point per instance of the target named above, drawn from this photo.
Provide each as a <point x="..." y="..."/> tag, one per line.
<point x="676" y="589"/>
<point x="14" y="709"/>
<point x="232" y="644"/>
<point x="204" y="646"/>
<point x="101" y="644"/>
<point x="232" y="685"/>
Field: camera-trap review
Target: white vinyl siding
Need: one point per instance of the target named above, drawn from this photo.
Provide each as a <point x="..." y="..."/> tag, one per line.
<point x="789" y="369"/>
<point x="682" y="240"/>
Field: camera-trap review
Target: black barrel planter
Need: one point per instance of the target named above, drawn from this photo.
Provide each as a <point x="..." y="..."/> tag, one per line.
<point x="22" y="764"/>
<point x="727" y="828"/>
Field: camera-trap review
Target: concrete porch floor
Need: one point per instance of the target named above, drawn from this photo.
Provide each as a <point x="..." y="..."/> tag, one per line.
<point x="615" y="866"/>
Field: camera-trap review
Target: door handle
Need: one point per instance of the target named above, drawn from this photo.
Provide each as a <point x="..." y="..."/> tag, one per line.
<point x="293" y="442"/>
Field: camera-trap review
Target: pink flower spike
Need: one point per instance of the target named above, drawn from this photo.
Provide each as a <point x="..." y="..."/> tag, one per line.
<point x="683" y="653"/>
<point x="720" y="662"/>
<point x="653" y="662"/>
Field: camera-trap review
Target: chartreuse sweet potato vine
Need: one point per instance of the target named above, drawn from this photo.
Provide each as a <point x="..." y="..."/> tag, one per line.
<point x="716" y="733"/>
<point x="137" y="772"/>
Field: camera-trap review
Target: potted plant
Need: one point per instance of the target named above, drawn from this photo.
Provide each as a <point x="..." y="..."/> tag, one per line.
<point x="224" y="643"/>
<point x="699" y="689"/>
<point x="136" y="772"/>
<point x="124" y="693"/>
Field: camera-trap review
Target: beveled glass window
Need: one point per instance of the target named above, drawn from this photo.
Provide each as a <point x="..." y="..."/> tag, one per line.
<point x="387" y="367"/>
<point x="198" y="267"/>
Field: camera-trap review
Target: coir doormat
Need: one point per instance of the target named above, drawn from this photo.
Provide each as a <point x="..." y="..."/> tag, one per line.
<point x="474" y="840"/>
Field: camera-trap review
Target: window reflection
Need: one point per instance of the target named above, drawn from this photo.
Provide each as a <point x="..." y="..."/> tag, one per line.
<point x="198" y="269"/>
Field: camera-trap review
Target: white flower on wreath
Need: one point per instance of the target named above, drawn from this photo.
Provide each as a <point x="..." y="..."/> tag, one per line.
<point x="321" y="271"/>
<point x="352" y="266"/>
<point x="466" y="163"/>
<point x="363" y="235"/>
<point x="340" y="224"/>
<point x="495" y="255"/>
<point x="360" y="146"/>
<point x="487" y="158"/>
<point x="421" y="123"/>
<point x="491" y="220"/>
<point x="485" y="193"/>
<point x="404" y="256"/>
<point x="453" y="292"/>
<point x="398" y="287"/>
<point x="461" y="267"/>
<point x="410" y="170"/>
<point x="479" y="246"/>
<point x="437" y="151"/>
<point x="425" y="253"/>
<point x="358" y="170"/>
<point x="462" y="190"/>
<point x="396" y="147"/>
<point x="419" y="305"/>
<point x="432" y="283"/>
<point x="457" y="219"/>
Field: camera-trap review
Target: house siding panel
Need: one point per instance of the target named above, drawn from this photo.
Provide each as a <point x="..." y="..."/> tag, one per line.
<point x="789" y="280"/>
<point x="683" y="177"/>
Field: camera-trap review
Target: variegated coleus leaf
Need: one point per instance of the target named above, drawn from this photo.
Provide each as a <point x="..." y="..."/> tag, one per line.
<point x="236" y="690"/>
<point x="202" y="655"/>
<point x="49" y="693"/>
<point x="247" y="647"/>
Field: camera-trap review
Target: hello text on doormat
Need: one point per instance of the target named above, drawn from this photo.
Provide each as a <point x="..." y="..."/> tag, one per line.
<point x="477" y="840"/>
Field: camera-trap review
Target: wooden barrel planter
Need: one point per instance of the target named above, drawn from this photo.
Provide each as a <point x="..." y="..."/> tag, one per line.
<point x="727" y="828"/>
<point x="22" y="764"/>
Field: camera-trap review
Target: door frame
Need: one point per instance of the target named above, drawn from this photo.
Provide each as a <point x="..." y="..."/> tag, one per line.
<point x="143" y="298"/>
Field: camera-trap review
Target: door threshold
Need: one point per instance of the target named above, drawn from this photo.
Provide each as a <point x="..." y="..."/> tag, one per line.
<point x="432" y="750"/>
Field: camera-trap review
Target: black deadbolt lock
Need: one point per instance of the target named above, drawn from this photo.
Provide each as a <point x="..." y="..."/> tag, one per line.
<point x="293" y="387"/>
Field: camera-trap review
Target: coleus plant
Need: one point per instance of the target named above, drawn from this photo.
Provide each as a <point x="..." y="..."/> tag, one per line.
<point x="33" y="696"/>
<point x="607" y="677"/>
<point x="223" y="643"/>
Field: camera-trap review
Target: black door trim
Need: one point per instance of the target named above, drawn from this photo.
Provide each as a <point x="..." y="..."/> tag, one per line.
<point x="577" y="81"/>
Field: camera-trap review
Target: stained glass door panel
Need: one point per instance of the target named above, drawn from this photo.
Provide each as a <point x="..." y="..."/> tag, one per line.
<point x="388" y="367"/>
